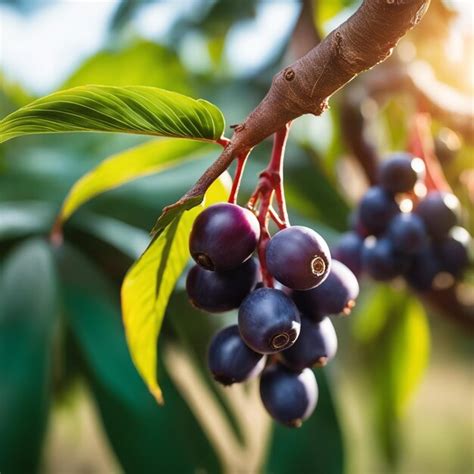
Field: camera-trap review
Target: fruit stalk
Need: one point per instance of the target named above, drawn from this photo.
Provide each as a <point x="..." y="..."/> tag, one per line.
<point x="239" y="171"/>
<point x="306" y="85"/>
<point x="271" y="184"/>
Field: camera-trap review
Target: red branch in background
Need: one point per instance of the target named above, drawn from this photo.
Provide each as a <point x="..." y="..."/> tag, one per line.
<point x="420" y="143"/>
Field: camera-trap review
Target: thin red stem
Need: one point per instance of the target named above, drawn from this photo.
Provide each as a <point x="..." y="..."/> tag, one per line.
<point x="241" y="160"/>
<point x="421" y="145"/>
<point x="223" y="141"/>
<point x="276" y="218"/>
<point x="271" y="184"/>
<point x="276" y="168"/>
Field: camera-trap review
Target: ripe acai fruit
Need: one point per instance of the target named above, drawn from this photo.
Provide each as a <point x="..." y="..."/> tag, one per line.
<point x="298" y="257"/>
<point x="223" y="237"/>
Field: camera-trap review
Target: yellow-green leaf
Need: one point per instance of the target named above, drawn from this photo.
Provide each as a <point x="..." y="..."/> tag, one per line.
<point x="129" y="109"/>
<point x="123" y="167"/>
<point x="150" y="282"/>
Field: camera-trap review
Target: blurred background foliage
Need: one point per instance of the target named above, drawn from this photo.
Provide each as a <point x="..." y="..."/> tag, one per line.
<point x="398" y="396"/>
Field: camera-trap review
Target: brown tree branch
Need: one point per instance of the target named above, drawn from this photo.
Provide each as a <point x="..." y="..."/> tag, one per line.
<point x="305" y="34"/>
<point x="364" y="40"/>
<point x="354" y="132"/>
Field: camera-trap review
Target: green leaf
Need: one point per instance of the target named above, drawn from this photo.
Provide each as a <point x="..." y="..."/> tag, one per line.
<point x="28" y="318"/>
<point x="133" y="109"/>
<point x="143" y="435"/>
<point x="149" y="283"/>
<point x="395" y="336"/>
<point x="128" y="239"/>
<point x="142" y="160"/>
<point x="21" y="218"/>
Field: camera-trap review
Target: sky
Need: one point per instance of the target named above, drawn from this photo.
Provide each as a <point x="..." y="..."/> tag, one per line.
<point x="40" y="49"/>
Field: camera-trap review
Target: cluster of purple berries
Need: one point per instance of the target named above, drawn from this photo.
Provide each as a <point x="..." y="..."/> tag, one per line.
<point x="281" y="332"/>
<point x="396" y="233"/>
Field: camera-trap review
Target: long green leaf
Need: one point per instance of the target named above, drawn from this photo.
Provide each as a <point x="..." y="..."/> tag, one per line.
<point x="28" y="318"/>
<point x="123" y="167"/>
<point x="394" y="331"/>
<point x="21" y="218"/>
<point x="149" y="283"/>
<point x="130" y="109"/>
<point x="143" y="436"/>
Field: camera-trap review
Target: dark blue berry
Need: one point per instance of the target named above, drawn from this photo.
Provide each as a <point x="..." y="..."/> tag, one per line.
<point x="381" y="261"/>
<point x="315" y="346"/>
<point x="268" y="321"/>
<point x="376" y="209"/>
<point x="230" y="360"/>
<point x="439" y="212"/>
<point x="349" y="251"/>
<point x="356" y="225"/>
<point x="453" y="251"/>
<point x="407" y="233"/>
<point x="423" y="270"/>
<point x="298" y="257"/>
<point x="400" y="172"/>
<point x="224" y="236"/>
<point x="334" y="295"/>
<point x="217" y="292"/>
<point x="289" y="397"/>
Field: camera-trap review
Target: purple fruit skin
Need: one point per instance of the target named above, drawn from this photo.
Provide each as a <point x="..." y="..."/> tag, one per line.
<point x="265" y="314"/>
<point x="230" y="360"/>
<point x="397" y="174"/>
<point x="226" y="234"/>
<point x="289" y="397"/>
<point x="407" y="233"/>
<point x="439" y="212"/>
<point x="217" y="292"/>
<point x="289" y="256"/>
<point x="453" y="255"/>
<point x="376" y="209"/>
<point x="381" y="261"/>
<point x="349" y="252"/>
<point x="316" y="341"/>
<point x="424" y="267"/>
<point x="331" y="296"/>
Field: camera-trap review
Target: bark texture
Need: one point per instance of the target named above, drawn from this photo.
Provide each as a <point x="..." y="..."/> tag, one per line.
<point x="364" y="40"/>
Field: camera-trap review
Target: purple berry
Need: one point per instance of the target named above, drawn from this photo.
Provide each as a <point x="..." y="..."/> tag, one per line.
<point x="334" y="295"/>
<point x="453" y="251"/>
<point x="230" y="360"/>
<point x="298" y="257"/>
<point x="216" y="292"/>
<point x="224" y="236"/>
<point x="400" y="172"/>
<point x="315" y="346"/>
<point x="381" y="261"/>
<point x="289" y="397"/>
<point x="407" y="233"/>
<point x="423" y="270"/>
<point x="268" y="321"/>
<point x="439" y="212"/>
<point x="349" y="252"/>
<point x="376" y="209"/>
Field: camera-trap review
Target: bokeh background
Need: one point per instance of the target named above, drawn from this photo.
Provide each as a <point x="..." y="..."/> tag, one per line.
<point x="398" y="397"/>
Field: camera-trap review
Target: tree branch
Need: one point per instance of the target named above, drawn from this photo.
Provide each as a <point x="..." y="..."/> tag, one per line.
<point x="364" y="40"/>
